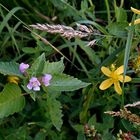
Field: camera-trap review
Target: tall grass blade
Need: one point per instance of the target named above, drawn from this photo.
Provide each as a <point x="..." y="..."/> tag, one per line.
<point x="8" y="16"/>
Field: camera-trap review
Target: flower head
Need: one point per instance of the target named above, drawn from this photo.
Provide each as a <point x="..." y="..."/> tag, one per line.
<point x="23" y="67"/>
<point x="136" y="64"/>
<point x="136" y="11"/>
<point x="115" y="76"/>
<point x="46" y="79"/>
<point x="13" y="79"/>
<point x="34" y="84"/>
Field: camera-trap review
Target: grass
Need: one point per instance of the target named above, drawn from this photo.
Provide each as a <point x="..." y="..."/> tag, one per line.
<point x="83" y="110"/>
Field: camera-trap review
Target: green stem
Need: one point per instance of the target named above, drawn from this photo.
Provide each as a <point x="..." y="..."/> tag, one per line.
<point x="108" y="11"/>
<point x="122" y="2"/>
<point x="90" y="1"/>
<point x="126" y="55"/>
<point x="87" y="103"/>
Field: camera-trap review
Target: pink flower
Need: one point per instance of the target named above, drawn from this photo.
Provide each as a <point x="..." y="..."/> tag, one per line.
<point x="23" y="67"/>
<point x="46" y="79"/>
<point x="34" y="84"/>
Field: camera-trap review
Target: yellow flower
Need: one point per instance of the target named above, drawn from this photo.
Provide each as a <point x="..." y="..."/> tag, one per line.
<point x="115" y="77"/>
<point x="137" y="21"/>
<point x="136" y="64"/>
<point x="13" y="79"/>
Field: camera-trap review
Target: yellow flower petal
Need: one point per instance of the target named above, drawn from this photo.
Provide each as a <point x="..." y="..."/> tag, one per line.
<point x="13" y="79"/>
<point x="137" y="21"/>
<point x="126" y="79"/>
<point x="106" y="84"/>
<point x="119" y="70"/>
<point x="106" y="71"/>
<point x="117" y="88"/>
<point x="136" y="11"/>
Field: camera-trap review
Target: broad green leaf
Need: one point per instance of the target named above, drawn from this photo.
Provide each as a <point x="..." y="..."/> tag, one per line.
<point x="121" y="14"/>
<point x="54" y="67"/>
<point x="11" y="100"/>
<point x="10" y="68"/>
<point x="128" y="125"/>
<point x="118" y="29"/>
<point x="63" y="82"/>
<point x="38" y="65"/>
<point x="55" y="110"/>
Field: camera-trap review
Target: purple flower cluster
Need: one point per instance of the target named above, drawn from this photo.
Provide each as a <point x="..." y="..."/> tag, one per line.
<point x="34" y="83"/>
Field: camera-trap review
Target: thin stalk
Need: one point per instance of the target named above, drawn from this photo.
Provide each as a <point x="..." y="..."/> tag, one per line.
<point x="122" y="2"/>
<point x="90" y="1"/>
<point x="108" y="11"/>
<point x="126" y="55"/>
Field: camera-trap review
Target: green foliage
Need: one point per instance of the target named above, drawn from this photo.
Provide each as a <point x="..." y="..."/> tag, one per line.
<point x="72" y="106"/>
<point x="55" y="110"/>
<point x="118" y="29"/>
<point x="121" y="15"/>
<point x="38" y="65"/>
<point x="8" y="16"/>
<point x="10" y="68"/>
<point x="63" y="82"/>
<point x="11" y="101"/>
<point x="54" y="67"/>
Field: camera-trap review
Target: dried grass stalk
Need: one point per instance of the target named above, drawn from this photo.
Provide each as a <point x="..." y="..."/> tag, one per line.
<point x="65" y="31"/>
<point x="133" y="105"/>
<point x="91" y="43"/>
<point x="126" y="114"/>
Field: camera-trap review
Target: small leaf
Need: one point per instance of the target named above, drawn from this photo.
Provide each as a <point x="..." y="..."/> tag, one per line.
<point x="54" y="67"/>
<point x="55" y="110"/>
<point x="10" y="68"/>
<point x="63" y="82"/>
<point x="118" y="29"/>
<point x="38" y="65"/>
<point x="121" y="14"/>
<point x="11" y="100"/>
<point x="29" y="50"/>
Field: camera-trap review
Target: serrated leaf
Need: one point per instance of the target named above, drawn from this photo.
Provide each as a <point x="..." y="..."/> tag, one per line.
<point x="38" y="65"/>
<point x="121" y="14"/>
<point x="54" y="67"/>
<point x="118" y="29"/>
<point x="63" y="82"/>
<point x="55" y="110"/>
<point x="10" y="68"/>
<point x="11" y="100"/>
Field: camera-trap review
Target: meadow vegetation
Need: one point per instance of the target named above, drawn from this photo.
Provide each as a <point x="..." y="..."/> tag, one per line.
<point x="69" y="70"/>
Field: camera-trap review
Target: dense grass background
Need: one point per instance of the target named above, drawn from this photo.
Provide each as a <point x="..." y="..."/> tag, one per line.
<point x="109" y="22"/>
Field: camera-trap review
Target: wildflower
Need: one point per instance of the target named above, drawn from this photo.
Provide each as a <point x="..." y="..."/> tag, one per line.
<point x="114" y="77"/>
<point x="13" y="79"/>
<point x="137" y="21"/>
<point x="23" y="67"/>
<point x="34" y="84"/>
<point x="46" y="79"/>
<point x="136" y="64"/>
